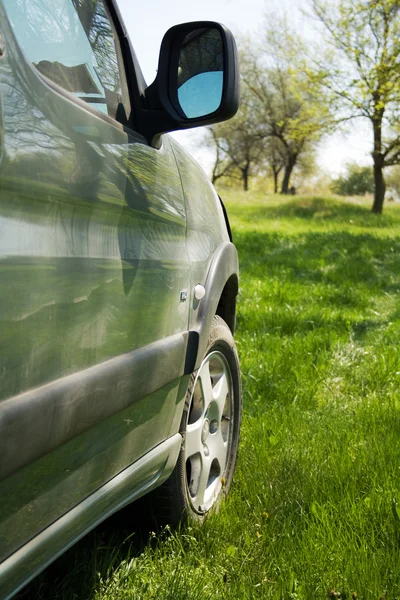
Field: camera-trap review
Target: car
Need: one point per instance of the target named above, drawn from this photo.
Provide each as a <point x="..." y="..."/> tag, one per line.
<point x="119" y="374"/>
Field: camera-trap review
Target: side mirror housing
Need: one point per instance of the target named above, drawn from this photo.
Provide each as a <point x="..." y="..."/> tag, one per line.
<point x="197" y="81"/>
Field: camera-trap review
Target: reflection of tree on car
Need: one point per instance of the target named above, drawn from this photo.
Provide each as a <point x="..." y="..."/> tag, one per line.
<point x="200" y="73"/>
<point x="96" y="79"/>
<point x="107" y="232"/>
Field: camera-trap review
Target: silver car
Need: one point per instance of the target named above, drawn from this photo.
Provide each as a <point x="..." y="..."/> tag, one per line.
<point x="119" y="374"/>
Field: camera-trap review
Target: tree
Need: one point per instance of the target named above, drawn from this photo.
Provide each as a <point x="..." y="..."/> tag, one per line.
<point x="275" y="155"/>
<point x="239" y="144"/>
<point x="293" y="107"/>
<point x="359" y="180"/>
<point x="284" y="111"/>
<point x="392" y="178"/>
<point x="365" y="73"/>
<point x="223" y="165"/>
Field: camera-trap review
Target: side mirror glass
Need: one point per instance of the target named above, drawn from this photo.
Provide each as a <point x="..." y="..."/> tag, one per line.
<point x="197" y="81"/>
<point x="200" y="73"/>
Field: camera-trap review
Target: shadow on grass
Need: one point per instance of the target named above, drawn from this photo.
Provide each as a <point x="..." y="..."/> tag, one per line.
<point x="322" y="209"/>
<point x="315" y="280"/>
<point x="77" y="573"/>
<point x="336" y="257"/>
<point x="337" y="270"/>
<point x="285" y="325"/>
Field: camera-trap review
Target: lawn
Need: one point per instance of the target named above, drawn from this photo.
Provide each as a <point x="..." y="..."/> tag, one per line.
<point x="314" y="511"/>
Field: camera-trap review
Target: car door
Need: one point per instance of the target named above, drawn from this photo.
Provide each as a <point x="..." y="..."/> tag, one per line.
<point x="93" y="266"/>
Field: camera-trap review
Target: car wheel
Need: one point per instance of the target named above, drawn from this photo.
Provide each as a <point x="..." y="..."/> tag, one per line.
<point x="210" y="433"/>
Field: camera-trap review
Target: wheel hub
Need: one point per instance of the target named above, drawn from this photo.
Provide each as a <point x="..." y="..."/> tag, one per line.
<point x="205" y="432"/>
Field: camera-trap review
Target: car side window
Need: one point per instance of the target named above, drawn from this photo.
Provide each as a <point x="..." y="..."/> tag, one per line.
<point x="73" y="43"/>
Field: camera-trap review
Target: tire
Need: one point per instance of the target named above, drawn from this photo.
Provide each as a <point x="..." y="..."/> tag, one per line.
<point x="210" y="432"/>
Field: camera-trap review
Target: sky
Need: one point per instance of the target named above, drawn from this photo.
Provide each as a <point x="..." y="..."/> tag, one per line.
<point x="147" y="21"/>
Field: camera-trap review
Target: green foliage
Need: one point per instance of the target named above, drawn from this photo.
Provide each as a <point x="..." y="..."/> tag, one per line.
<point x="393" y="181"/>
<point x="364" y="72"/>
<point x="366" y="35"/>
<point x="292" y="105"/>
<point x="358" y="181"/>
<point x="284" y="112"/>
<point x="314" y="510"/>
<point x="240" y="144"/>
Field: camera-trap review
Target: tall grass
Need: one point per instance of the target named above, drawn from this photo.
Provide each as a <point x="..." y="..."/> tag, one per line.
<point x="314" y="511"/>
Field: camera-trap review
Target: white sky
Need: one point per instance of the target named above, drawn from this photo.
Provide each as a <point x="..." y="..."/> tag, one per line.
<point x="148" y="21"/>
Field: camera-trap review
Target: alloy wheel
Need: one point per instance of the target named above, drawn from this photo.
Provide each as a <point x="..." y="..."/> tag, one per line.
<point x="208" y="432"/>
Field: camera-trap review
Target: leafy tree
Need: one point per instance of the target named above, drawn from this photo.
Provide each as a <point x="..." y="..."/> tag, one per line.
<point x="293" y="108"/>
<point x="275" y="154"/>
<point x="392" y="178"/>
<point x="284" y="112"/>
<point x="358" y="181"/>
<point x="365" y="73"/>
<point x="239" y="144"/>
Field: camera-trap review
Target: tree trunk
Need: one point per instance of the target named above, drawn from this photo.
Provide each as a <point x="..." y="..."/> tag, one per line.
<point x="380" y="189"/>
<point x="379" y="162"/>
<point x="215" y="175"/>
<point x="245" y="178"/>
<point x="288" y="172"/>
<point x="275" y="173"/>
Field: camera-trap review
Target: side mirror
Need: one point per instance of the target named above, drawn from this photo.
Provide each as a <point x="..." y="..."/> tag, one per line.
<point x="200" y="74"/>
<point x="197" y="81"/>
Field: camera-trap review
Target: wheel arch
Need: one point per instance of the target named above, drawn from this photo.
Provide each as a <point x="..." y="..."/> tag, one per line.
<point x="222" y="284"/>
<point x="226" y="308"/>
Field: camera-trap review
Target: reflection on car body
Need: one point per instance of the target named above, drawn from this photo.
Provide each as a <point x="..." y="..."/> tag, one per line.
<point x="106" y="228"/>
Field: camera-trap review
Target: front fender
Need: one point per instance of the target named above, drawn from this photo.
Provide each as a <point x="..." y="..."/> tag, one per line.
<point x="223" y="275"/>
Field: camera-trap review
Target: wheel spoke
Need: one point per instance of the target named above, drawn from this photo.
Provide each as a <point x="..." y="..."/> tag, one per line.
<point x="199" y="499"/>
<point x="193" y="438"/>
<point x="220" y="392"/>
<point x="206" y="385"/>
<point x="218" y="449"/>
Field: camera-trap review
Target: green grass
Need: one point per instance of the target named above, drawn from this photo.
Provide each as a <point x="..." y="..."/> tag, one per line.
<point x="315" y="506"/>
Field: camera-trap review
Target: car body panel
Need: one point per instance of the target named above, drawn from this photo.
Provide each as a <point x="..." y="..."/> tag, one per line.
<point x="133" y="482"/>
<point x="93" y="260"/>
<point x="102" y="240"/>
<point x="213" y="257"/>
<point x="206" y="227"/>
